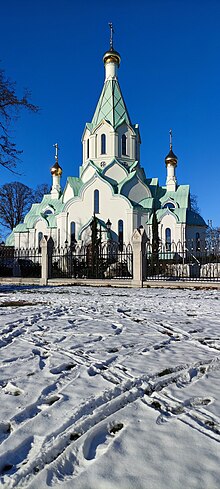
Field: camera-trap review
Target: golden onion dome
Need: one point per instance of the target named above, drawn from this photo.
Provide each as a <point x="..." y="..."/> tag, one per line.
<point x="171" y="158"/>
<point x="56" y="170"/>
<point x="112" y="56"/>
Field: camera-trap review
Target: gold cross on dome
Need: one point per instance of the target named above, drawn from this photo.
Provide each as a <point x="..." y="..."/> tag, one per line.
<point x="171" y="137"/>
<point x="57" y="148"/>
<point x="111" y="34"/>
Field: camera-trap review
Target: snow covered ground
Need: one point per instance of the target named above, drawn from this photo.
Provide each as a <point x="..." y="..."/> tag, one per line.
<point x="104" y="388"/>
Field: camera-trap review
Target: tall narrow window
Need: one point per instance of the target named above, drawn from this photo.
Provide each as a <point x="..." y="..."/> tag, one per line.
<point x="103" y="144"/>
<point x="168" y="239"/>
<point x="123" y="145"/>
<point x="40" y="236"/>
<point x="87" y="148"/>
<point x="120" y="234"/>
<point x="58" y="238"/>
<point x="96" y="202"/>
<point x="197" y="242"/>
<point x="72" y="233"/>
<point x="136" y="149"/>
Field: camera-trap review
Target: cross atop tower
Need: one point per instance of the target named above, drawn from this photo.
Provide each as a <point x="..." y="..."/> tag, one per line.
<point x="111" y="35"/>
<point x="171" y="138"/>
<point x="57" y="149"/>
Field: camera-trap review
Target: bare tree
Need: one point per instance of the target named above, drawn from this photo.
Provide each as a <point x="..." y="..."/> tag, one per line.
<point x="15" y="201"/>
<point x="10" y="105"/>
<point x="194" y="203"/>
<point x="213" y="234"/>
<point x="40" y="191"/>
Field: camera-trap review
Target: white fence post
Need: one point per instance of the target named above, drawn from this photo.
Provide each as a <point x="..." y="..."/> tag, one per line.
<point x="138" y="240"/>
<point x="46" y="259"/>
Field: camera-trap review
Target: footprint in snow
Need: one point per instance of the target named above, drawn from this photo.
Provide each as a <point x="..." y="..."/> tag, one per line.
<point x="193" y="374"/>
<point x="99" y="438"/>
<point x="118" y="328"/>
<point x="12" y="389"/>
<point x="171" y="410"/>
<point x="64" y="367"/>
<point x="5" y="430"/>
<point x="11" y="460"/>
<point x="97" y="367"/>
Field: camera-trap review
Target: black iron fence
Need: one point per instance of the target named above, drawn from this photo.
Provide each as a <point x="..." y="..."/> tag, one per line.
<point x="106" y="260"/>
<point x="21" y="262"/>
<point x="189" y="260"/>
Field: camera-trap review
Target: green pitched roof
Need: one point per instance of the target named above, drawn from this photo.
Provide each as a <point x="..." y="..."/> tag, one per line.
<point x="180" y="196"/>
<point x="111" y="106"/>
<point x="37" y="212"/>
<point x="180" y="214"/>
<point x="76" y="184"/>
<point x="10" y="240"/>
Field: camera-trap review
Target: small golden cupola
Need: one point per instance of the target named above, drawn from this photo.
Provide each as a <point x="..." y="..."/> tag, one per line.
<point x="111" y="58"/>
<point x="56" y="172"/>
<point x="171" y="163"/>
<point x="171" y="158"/>
<point x="56" y="169"/>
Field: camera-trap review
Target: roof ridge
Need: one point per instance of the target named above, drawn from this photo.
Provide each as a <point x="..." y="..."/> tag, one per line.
<point x="111" y="105"/>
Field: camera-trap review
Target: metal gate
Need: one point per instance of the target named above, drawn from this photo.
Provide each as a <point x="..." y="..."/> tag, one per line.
<point x="104" y="261"/>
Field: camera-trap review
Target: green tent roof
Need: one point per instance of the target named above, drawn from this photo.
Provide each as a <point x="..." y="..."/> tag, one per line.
<point x="111" y="106"/>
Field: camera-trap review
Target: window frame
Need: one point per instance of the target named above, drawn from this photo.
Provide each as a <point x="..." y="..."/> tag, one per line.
<point x="120" y="234"/>
<point x="168" y="239"/>
<point x="72" y="234"/>
<point x="96" y="201"/>
<point x="124" y="145"/>
<point x="103" y="144"/>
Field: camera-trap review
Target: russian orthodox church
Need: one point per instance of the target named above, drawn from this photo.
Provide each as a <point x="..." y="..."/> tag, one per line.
<point x="112" y="185"/>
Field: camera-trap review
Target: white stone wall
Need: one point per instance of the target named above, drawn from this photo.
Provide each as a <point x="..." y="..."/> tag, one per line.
<point x="115" y="172"/>
<point x="113" y="144"/>
<point x="88" y="173"/>
<point x="177" y="229"/>
<point x="114" y="207"/>
<point x="130" y="143"/>
<point x="68" y="194"/>
<point x="136" y="190"/>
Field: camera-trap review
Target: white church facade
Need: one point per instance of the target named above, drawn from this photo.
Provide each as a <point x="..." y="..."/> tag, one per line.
<point x="112" y="185"/>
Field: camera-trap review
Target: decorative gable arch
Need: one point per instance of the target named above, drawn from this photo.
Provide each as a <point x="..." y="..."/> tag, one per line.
<point x="48" y="210"/>
<point x="170" y="203"/>
<point x="115" y="171"/>
<point x="88" y="172"/>
<point x="103" y="122"/>
<point x="169" y="213"/>
<point x="135" y="189"/>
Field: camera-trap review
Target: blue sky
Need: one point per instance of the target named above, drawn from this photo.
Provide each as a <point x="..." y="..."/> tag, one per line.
<point x="169" y="76"/>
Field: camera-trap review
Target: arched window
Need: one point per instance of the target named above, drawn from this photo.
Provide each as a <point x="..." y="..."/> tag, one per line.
<point x="96" y="202"/>
<point x="40" y="236"/>
<point x="120" y="234"/>
<point x="168" y="239"/>
<point x="72" y="233"/>
<point x="103" y="144"/>
<point x="136" y="149"/>
<point x="169" y="205"/>
<point x="87" y="148"/>
<point x="197" y="242"/>
<point x="123" y="145"/>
